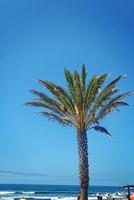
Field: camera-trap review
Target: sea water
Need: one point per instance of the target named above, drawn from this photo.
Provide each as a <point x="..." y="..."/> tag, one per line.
<point x="11" y="191"/>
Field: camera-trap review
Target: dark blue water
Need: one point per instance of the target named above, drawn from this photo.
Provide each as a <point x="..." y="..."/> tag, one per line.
<point x="13" y="190"/>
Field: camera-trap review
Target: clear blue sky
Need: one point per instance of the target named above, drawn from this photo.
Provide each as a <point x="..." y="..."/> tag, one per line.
<point x="38" y="39"/>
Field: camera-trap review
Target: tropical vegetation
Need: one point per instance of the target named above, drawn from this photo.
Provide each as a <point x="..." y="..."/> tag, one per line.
<point x="82" y="105"/>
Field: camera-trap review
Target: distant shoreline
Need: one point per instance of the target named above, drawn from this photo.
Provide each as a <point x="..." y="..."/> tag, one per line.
<point x="54" y="192"/>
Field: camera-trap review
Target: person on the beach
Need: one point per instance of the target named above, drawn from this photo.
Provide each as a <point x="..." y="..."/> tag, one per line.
<point x="132" y="196"/>
<point x="78" y="197"/>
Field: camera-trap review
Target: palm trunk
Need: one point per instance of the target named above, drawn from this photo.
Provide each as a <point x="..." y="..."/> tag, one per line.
<point x="83" y="164"/>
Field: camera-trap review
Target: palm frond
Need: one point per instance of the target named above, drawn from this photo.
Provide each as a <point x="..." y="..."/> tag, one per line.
<point x="116" y="80"/>
<point x="55" y="117"/>
<point x="108" y="92"/>
<point x="36" y="104"/>
<point x="78" y="91"/>
<point x="83" y="77"/>
<point x="93" y="88"/>
<point x="106" y="112"/>
<point x="45" y="98"/>
<point x="75" y="87"/>
<point x="122" y="96"/>
<point x="120" y="103"/>
<point x="59" y="93"/>
<point x="104" y="96"/>
<point x="112" y="105"/>
<point x="70" y="83"/>
<point x="47" y="106"/>
<point x="102" y="130"/>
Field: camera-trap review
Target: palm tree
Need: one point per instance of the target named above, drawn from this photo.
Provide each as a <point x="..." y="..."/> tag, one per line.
<point x="82" y="106"/>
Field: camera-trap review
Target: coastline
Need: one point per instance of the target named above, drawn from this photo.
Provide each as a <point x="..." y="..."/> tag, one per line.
<point x="56" y="192"/>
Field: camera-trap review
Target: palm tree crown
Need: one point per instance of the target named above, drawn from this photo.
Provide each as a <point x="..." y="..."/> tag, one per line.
<point x="83" y="104"/>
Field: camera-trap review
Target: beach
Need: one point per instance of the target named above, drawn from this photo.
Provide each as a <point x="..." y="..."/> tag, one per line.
<point x="55" y="192"/>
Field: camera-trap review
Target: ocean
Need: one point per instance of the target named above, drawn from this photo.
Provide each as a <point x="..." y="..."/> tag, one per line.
<point x="11" y="191"/>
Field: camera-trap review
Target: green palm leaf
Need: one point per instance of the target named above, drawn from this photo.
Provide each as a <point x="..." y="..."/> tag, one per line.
<point x="112" y="105"/>
<point x="55" y="117"/>
<point x="83" y="78"/>
<point x="102" y="130"/>
<point x="59" y="93"/>
<point x="52" y="102"/>
<point x="92" y="90"/>
<point x="108" y="92"/>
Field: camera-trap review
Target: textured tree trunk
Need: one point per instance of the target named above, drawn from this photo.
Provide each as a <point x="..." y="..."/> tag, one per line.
<point x="83" y="164"/>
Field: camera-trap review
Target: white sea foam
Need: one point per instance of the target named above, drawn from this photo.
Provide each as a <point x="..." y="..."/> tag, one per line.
<point x="6" y="192"/>
<point x="28" y="192"/>
<point x="62" y="198"/>
<point x="7" y="198"/>
<point x="52" y="198"/>
<point x="106" y="196"/>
